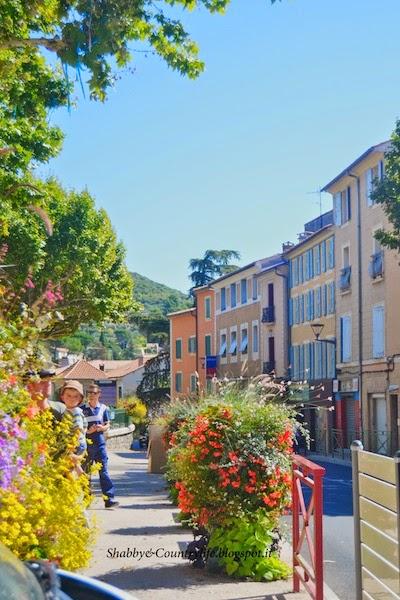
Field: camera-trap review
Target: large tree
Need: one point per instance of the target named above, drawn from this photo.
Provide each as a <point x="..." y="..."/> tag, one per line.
<point x="82" y="256"/>
<point x="213" y="264"/>
<point x="387" y="192"/>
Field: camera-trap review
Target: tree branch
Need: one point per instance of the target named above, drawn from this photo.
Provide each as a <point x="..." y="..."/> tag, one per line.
<point x="52" y="44"/>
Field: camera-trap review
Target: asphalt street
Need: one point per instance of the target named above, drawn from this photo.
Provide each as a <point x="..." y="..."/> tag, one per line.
<point x="338" y="530"/>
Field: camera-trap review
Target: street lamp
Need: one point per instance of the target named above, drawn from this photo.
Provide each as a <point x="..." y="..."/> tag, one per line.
<point x="317" y="330"/>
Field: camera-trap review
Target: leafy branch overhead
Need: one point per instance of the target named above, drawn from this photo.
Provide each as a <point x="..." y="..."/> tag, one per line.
<point x="387" y="192"/>
<point x="94" y="35"/>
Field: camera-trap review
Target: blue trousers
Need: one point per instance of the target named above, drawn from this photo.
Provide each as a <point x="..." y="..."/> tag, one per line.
<point x="98" y="454"/>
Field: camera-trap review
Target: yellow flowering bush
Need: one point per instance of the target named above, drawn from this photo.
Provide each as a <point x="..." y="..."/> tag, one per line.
<point x="42" y="500"/>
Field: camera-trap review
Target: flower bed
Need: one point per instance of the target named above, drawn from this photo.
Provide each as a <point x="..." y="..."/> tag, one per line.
<point x="229" y="461"/>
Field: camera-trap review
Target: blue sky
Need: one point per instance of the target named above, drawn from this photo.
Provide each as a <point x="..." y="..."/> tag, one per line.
<point x="292" y="93"/>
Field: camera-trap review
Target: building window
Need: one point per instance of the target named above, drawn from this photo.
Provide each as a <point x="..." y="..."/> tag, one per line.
<point x="255" y="338"/>
<point x="317" y="260"/>
<point x="178" y="382"/>
<point x="207" y="307"/>
<point x="222" y="348"/>
<point x="331" y="253"/>
<point x="193" y="383"/>
<point x="323" y="256"/>
<point x="378" y="331"/>
<point x="223" y="299"/>
<point x="178" y="348"/>
<point x="330" y="298"/>
<point x="345" y="339"/>
<point x="255" y="288"/>
<point x="207" y="344"/>
<point x="192" y="345"/>
<point x="233" y="295"/>
<point x="244" y="341"/>
<point x="243" y="291"/>
<point x="372" y="176"/>
<point x="208" y="385"/>
<point x="233" y="346"/>
<point x="342" y="206"/>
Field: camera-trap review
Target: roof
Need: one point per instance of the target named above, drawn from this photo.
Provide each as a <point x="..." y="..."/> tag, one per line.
<point x="272" y="262"/>
<point x="237" y="271"/>
<point x="382" y="147"/>
<point x="119" y="368"/>
<point x="82" y="369"/>
<point x="181" y="312"/>
<point x="310" y="237"/>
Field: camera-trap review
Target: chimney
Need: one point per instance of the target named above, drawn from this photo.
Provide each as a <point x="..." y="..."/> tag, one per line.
<point x="286" y="246"/>
<point x="101" y="367"/>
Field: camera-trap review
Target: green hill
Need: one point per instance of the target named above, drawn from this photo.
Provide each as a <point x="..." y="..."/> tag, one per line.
<point x="157" y="297"/>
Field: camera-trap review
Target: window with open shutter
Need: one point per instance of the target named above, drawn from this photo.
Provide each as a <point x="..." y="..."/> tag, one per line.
<point x="337" y="209"/>
<point x="345" y="342"/>
<point x="378" y="332"/>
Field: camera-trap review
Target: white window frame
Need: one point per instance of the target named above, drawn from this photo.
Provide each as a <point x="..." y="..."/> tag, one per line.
<point x="233" y="357"/>
<point x="244" y="327"/>
<point x="380" y="353"/>
<point x="255" y="324"/>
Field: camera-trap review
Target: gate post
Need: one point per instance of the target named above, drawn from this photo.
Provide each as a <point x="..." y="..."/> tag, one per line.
<point x="355" y="447"/>
<point x="310" y="575"/>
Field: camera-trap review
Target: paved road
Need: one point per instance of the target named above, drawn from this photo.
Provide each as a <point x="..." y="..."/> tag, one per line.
<point x="338" y="530"/>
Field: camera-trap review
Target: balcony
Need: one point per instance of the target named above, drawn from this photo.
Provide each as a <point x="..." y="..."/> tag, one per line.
<point x="268" y="367"/>
<point x="268" y="314"/>
<point x="345" y="279"/>
<point x="375" y="268"/>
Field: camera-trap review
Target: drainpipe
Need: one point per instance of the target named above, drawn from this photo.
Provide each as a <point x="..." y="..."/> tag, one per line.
<point x="360" y="295"/>
<point x="289" y="335"/>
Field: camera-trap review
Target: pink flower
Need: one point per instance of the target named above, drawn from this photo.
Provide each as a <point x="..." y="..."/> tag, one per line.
<point x="29" y="283"/>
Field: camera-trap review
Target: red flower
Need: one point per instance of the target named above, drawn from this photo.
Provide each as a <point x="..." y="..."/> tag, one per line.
<point x="235" y="484"/>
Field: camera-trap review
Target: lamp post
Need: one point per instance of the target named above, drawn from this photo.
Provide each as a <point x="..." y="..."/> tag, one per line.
<point x="317" y="330"/>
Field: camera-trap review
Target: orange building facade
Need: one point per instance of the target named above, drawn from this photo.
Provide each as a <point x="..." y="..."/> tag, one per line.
<point x="192" y="343"/>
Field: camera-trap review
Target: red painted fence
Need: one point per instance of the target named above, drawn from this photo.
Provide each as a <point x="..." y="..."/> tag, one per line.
<point x="307" y="527"/>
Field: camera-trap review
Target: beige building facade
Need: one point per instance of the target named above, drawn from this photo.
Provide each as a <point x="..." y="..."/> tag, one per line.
<point x="312" y="304"/>
<point x="367" y="323"/>
<point x="273" y="291"/>
<point x="237" y="314"/>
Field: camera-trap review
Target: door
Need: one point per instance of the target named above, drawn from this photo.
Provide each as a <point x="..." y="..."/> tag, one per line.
<point x="350" y="408"/>
<point x="380" y="437"/>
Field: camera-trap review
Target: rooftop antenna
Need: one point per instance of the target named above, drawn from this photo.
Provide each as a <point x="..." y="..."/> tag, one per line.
<point x="319" y="201"/>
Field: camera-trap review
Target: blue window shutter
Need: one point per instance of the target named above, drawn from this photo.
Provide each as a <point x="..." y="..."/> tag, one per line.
<point x="312" y="361"/>
<point x="312" y="311"/>
<point x="378" y="332"/>
<point x="337" y="209"/>
<point x="333" y="296"/>
<point x="301" y="273"/>
<point x="348" y="200"/>
<point x="290" y="274"/>
<point x="310" y="252"/>
<point x="381" y="169"/>
<point x="302" y="308"/>
<point x="323" y="256"/>
<point x="290" y="311"/>
<point x="345" y="339"/>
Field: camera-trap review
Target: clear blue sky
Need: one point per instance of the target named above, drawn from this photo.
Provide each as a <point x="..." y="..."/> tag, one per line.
<point x="292" y="93"/>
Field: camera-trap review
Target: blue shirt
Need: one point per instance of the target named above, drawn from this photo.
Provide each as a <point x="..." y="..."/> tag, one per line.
<point x="96" y="416"/>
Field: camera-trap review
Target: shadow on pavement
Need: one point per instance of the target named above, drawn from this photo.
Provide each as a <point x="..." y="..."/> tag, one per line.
<point x="151" y="530"/>
<point x="173" y="577"/>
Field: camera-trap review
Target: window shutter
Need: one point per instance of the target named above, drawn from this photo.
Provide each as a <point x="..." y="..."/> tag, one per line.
<point x="346" y="339"/>
<point x="312" y="308"/>
<point x="302" y="308"/>
<point x="333" y="296"/>
<point x="318" y="303"/>
<point x="348" y="201"/>
<point x="381" y="169"/>
<point x="337" y="209"/>
<point x="290" y="311"/>
<point x="300" y="268"/>
<point x="323" y="256"/>
<point x="368" y="186"/>
<point x="378" y="332"/>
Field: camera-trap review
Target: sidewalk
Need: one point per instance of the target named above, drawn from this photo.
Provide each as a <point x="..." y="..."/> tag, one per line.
<point x="144" y="523"/>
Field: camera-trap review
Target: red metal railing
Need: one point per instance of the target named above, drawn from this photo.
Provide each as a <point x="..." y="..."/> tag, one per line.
<point x="307" y="527"/>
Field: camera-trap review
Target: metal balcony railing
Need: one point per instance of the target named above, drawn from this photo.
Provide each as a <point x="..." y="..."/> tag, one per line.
<point x="336" y="442"/>
<point x="375" y="268"/>
<point x="268" y="366"/>
<point x="345" y="279"/>
<point x="268" y="314"/>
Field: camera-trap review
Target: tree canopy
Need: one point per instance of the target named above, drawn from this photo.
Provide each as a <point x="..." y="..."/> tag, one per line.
<point x="213" y="264"/>
<point x="387" y="192"/>
<point x="82" y="258"/>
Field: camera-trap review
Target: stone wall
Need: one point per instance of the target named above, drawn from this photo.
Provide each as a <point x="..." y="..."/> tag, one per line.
<point x="121" y="438"/>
